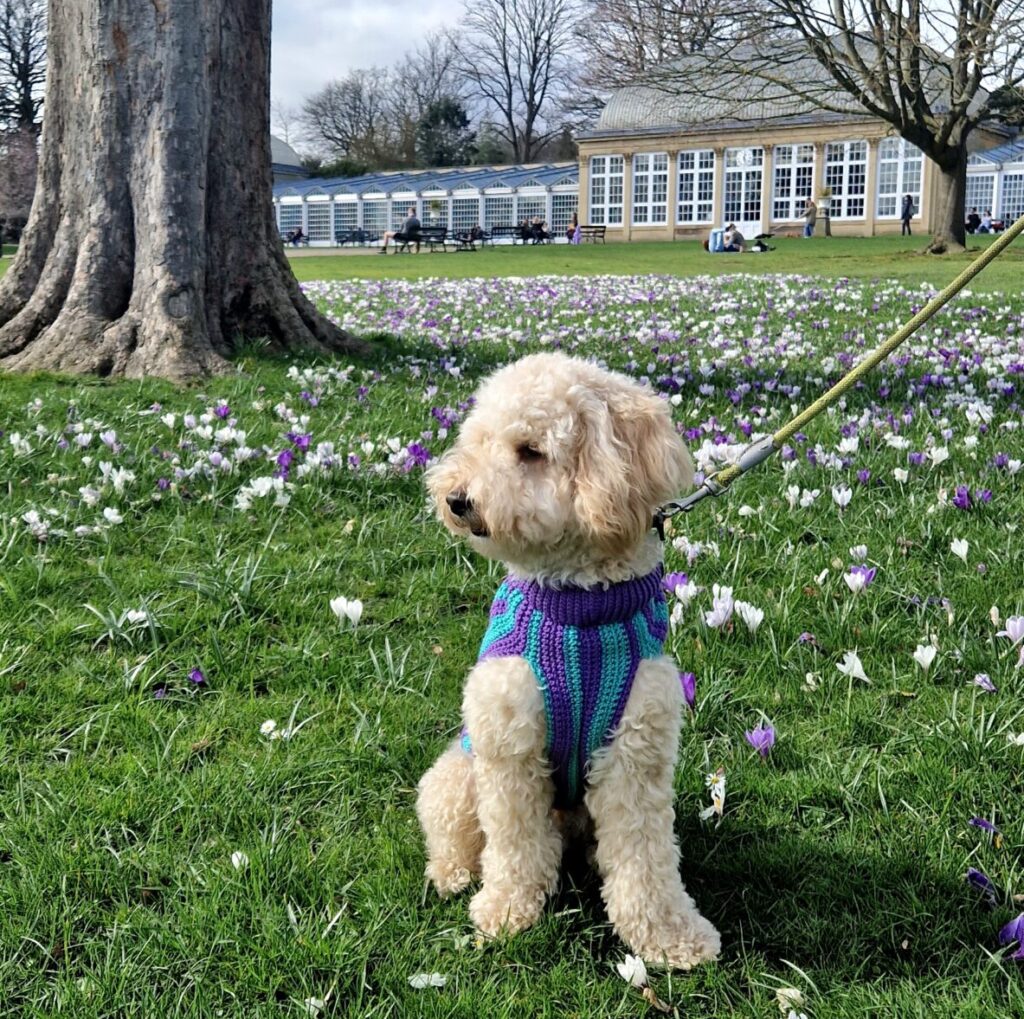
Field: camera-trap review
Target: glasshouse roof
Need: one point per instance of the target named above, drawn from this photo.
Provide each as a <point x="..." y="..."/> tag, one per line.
<point x="450" y="180"/>
<point x="1010" y="152"/>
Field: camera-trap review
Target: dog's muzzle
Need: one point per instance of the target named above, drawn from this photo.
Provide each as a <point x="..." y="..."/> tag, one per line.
<point x="461" y="507"/>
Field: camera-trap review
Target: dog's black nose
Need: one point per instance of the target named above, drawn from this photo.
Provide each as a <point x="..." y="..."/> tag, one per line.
<point x="458" y="503"/>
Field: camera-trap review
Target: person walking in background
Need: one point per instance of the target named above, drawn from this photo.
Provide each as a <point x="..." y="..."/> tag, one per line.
<point x="570" y="230"/>
<point x="906" y="214"/>
<point x="811" y="217"/>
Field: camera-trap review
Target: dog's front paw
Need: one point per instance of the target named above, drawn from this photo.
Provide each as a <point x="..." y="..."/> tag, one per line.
<point x="448" y="878"/>
<point x="498" y="910"/>
<point x="682" y="943"/>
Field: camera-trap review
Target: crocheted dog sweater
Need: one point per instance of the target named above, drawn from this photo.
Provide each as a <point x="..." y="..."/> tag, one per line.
<point x="584" y="647"/>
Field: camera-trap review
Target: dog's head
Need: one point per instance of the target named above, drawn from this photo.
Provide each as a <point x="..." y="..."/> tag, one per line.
<point x="559" y="454"/>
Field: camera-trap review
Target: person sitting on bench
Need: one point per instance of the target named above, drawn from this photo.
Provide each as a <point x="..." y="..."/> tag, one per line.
<point x="409" y="234"/>
<point x="296" y="237"/>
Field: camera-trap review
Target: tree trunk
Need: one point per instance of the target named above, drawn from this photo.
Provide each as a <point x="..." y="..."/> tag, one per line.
<point x="948" y="231"/>
<point x="152" y="247"/>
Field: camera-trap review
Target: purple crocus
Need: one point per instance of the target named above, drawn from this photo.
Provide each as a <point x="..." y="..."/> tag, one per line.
<point x="983" y="681"/>
<point x="689" y="684"/>
<point x="762" y="739"/>
<point x="980" y="822"/>
<point x="962" y="497"/>
<point x="673" y="580"/>
<point x="1014" y="931"/>
<point x="197" y="677"/>
<point x="160" y="692"/>
<point x="222" y="410"/>
<point x="864" y="476"/>
<point x="980" y="882"/>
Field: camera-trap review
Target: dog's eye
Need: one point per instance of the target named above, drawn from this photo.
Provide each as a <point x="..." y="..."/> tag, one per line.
<point x="528" y="453"/>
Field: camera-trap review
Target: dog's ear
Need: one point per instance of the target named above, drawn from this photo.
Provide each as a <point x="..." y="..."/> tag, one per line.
<point x="629" y="461"/>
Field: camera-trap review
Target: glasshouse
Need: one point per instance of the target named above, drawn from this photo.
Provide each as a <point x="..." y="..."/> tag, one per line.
<point x="332" y="210"/>
<point x="995" y="181"/>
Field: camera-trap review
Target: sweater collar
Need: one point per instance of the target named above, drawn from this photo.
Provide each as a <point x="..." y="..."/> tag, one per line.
<point x="593" y="606"/>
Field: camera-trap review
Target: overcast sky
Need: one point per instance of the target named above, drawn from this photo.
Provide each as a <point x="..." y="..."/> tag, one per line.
<point x="316" y="40"/>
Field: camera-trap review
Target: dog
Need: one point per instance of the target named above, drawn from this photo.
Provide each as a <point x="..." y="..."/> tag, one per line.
<point x="572" y="712"/>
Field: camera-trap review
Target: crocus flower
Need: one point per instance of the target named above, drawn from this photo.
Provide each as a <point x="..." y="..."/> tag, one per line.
<point x="1014" y="931"/>
<point x="751" y="615"/>
<point x="981" y="883"/>
<point x="715" y="781"/>
<point x="982" y="680"/>
<point x="344" y="609"/>
<point x="959" y="547"/>
<point x="841" y="496"/>
<point x="197" y="677"/>
<point x="924" y="655"/>
<point x="859" y="577"/>
<point x="962" y="497"/>
<point x="688" y="680"/>
<point x="980" y="822"/>
<point x="1014" y="629"/>
<point x="762" y="739"/>
<point x="851" y="666"/>
<point x="673" y="580"/>
<point x="722" y="606"/>
<point x="633" y="971"/>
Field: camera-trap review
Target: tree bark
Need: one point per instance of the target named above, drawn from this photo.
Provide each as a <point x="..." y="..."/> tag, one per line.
<point x="948" y="230"/>
<point x="152" y="247"/>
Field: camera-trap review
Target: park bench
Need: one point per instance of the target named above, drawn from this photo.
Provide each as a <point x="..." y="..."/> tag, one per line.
<point x="507" y="230"/>
<point x="592" y="234"/>
<point x="357" y="235"/>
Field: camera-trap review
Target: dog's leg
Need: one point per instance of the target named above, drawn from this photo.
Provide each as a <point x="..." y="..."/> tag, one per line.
<point x="446" y="807"/>
<point x="630" y="798"/>
<point x="504" y="713"/>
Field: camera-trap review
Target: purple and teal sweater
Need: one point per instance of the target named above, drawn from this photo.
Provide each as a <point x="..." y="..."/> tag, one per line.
<point x="584" y="647"/>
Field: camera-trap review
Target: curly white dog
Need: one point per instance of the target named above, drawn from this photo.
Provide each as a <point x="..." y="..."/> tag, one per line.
<point x="572" y="705"/>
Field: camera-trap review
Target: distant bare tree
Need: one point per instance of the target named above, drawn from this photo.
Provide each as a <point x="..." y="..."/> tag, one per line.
<point x="22" y="62"/>
<point x="623" y="39"/>
<point x="923" y="66"/>
<point x="513" y="54"/>
<point x="285" y="120"/>
<point x="351" y="117"/>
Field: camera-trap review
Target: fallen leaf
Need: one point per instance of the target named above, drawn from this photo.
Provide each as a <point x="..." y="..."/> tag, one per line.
<point x="655" y="1002"/>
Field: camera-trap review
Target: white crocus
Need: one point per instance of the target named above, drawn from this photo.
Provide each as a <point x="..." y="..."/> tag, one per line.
<point x="859" y="553"/>
<point x="421" y="980"/>
<point x="111" y="516"/>
<point x="750" y="614"/>
<point x="852" y="666"/>
<point x="633" y="971"/>
<point x="344" y="608"/>
<point x="924" y="655"/>
<point x="900" y="474"/>
<point x="239" y="860"/>
<point x="841" y="495"/>
<point x="938" y="455"/>
<point x="959" y="547"/>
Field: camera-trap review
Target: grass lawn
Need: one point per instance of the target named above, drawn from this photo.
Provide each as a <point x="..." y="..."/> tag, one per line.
<point x="859" y="258"/>
<point x="149" y="531"/>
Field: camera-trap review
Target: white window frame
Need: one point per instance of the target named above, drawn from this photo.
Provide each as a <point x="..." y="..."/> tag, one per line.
<point x="847" y="176"/>
<point x="792" y="180"/>
<point x="650" y="189"/>
<point x="695" y="187"/>
<point x="1011" y="197"/>
<point x="744" y="166"/>
<point x="606" y="190"/>
<point x="971" y="197"/>
<point x="903" y="166"/>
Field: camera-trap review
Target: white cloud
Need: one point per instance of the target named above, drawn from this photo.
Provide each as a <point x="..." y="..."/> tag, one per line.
<point x="314" y="41"/>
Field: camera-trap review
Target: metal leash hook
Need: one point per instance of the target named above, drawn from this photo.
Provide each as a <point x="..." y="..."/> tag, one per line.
<point x="715" y="484"/>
